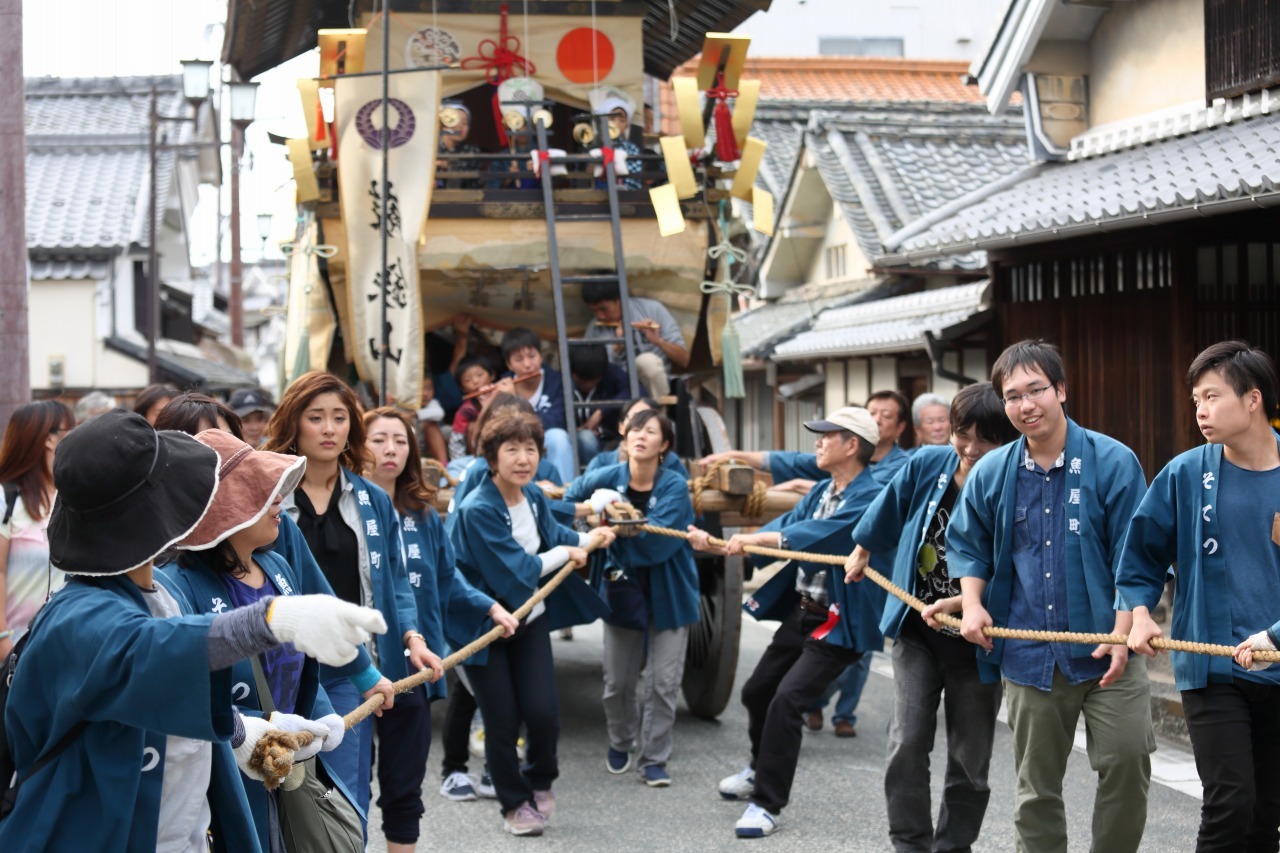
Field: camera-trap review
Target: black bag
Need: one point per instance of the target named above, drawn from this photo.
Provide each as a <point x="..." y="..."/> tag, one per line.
<point x="315" y="817"/>
<point x="8" y="767"/>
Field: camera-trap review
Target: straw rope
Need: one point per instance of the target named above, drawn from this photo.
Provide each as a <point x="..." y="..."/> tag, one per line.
<point x="753" y="505"/>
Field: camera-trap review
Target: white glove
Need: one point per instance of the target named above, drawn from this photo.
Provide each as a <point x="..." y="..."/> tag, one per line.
<point x="601" y="498"/>
<point x="1260" y="642"/>
<point x="254" y="729"/>
<point x="337" y="728"/>
<point x="295" y="723"/>
<point x="322" y="626"/>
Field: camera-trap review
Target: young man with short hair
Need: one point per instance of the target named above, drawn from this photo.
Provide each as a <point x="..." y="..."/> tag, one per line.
<point x="596" y="378"/>
<point x="826" y="624"/>
<point x="1215" y="511"/>
<point x="543" y="387"/>
<point x="659" y="344"/>
<point x="1035" y="540"/>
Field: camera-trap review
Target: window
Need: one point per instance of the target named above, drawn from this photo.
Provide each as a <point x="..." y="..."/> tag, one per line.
<point x="853" y="46"/>
<point x="1242" y="46"/>
<point x="836" y="263"/>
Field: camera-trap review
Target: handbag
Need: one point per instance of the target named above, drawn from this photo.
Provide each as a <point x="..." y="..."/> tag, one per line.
<point x="315" y="817"/>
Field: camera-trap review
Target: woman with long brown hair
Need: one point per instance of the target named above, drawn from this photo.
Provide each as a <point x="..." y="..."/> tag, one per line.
<point x="353" y="532"/>
<point x="438" y="587"/>
<point x="26" y="470"/>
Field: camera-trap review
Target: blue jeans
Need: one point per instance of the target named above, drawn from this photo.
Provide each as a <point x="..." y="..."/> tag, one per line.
<point x="850" y="684"/>
<point x="560" y="453"/>
<point x="353" y="757"/>
<point x="588" y="446"/>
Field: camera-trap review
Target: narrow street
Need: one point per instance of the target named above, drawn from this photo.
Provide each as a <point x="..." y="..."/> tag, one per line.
<point x="838" y="801"/>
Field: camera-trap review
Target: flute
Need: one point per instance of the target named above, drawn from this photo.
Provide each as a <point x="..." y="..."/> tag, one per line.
<point x="488" y="388"/>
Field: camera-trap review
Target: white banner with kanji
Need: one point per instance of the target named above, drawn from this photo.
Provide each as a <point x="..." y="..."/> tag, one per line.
<point x="414" y="103"/>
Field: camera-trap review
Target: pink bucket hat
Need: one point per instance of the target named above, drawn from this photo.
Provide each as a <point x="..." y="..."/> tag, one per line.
<point x="249" y="481"/>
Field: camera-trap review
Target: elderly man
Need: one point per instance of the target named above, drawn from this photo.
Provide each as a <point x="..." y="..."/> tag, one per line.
<point x="931" y="416"/>
<point x="826" y="624"/>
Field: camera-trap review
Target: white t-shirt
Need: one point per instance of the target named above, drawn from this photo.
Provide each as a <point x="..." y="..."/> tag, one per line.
<point x="188" y="766"/>
<point x="30" y="577"/>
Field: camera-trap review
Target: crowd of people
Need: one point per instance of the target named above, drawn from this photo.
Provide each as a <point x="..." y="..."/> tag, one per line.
<point x="269" y="567"/>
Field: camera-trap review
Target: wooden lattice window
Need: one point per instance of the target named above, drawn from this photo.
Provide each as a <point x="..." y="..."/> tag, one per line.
<point x="1242" y="46"/>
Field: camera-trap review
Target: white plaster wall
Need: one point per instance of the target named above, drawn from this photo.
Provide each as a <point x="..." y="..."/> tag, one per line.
<point x="857" y="381"/>
<point x="1146" y="55"/>
<point x="834" y="390"/>
<point x="884" y="375"/>
<point x="61" y="316"/>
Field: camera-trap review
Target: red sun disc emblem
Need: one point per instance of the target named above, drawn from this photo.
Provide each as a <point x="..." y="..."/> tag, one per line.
<point x="574" y="55"/>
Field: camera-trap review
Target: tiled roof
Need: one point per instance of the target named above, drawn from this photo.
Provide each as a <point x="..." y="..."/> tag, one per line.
<point x="761" y="329"/>
<point x="87" y="170"/>
<point x="888" y="165"/>
<point x="1236" y="165"/>
<point x="896" y="324"/>
<point x="181" y="364"/>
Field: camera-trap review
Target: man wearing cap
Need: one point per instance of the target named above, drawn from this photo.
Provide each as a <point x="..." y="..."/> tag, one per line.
<point x="826" y="624"/>
<point x="255" y="407"/>
<point x="120" y="717"/>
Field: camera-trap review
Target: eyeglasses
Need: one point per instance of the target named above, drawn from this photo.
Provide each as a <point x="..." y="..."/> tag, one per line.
<point x="1033" y="395"/>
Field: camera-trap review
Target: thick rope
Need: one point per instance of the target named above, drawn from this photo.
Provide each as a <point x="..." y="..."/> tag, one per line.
<point x="753" y="505"/>
<point x="950" y="621"/>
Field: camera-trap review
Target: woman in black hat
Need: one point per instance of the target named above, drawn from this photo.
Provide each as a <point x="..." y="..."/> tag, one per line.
<point x="120" y="722"/>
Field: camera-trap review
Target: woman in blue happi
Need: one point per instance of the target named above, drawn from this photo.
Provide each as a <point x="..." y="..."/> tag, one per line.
<point x="651" y="584"/>
<point x="353" y="532"/>
<point x="224" y="563"/>
<point x="507" y="543"/>
<point x="905" y="527"/>
<point x="605" y="458"/>
<point x="120" y="715"/>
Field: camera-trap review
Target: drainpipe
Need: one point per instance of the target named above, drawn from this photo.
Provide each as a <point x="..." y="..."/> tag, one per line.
<point x="934" y="347"/>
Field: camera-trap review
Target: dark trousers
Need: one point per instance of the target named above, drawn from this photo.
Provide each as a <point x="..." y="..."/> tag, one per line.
<point x="1237" y="747"/>
<point x="456" y="736"/>
<point x="518" y="685"/>
<point x="404" y="739"/>
<point x="791" y="675"/>
<point x="929" y="669"/>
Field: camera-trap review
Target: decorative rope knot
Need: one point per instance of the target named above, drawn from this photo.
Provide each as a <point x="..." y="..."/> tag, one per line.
<point x="728" y="288"/>
<point x="719" y="250"/>
<point x="322" y="250"/>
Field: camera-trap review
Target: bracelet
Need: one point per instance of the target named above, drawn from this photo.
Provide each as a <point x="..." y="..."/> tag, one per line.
<point x="4" y="635"/>
<point x="410" y="635"/>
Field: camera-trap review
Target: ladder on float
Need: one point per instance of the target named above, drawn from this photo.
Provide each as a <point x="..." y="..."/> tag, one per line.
<point x="559" y="280"/>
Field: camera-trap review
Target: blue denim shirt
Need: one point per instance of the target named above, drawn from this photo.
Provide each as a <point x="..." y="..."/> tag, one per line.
<point x="1039" y="599"/>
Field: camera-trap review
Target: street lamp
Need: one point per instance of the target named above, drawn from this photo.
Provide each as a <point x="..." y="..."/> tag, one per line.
<point x="195" y="88"/>
<point x="242" y="102"/>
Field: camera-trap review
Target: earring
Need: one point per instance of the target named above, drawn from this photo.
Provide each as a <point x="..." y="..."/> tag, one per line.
<point x="346" y="447"/>
<point x="293" y="449"/>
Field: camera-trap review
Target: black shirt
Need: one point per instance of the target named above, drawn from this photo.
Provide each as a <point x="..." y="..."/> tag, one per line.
<point x="640" y="500"/>
<point x="932" y="581"/>
<point x="333" y="543"/>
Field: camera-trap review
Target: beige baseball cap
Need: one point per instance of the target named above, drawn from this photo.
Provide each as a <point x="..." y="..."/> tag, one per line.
<point x="855" y="419"/>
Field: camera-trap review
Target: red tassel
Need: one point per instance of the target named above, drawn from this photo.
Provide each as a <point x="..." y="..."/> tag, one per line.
<point x="833" y="617"/>
<point x="726" y="145"/>
<point x="321" y="129"/>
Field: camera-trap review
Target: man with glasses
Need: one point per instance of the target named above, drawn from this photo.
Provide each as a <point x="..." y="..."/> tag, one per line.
<point x="1035" y="540"/>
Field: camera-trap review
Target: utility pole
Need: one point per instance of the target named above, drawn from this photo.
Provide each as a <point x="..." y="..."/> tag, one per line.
<point x="15" y="358"/>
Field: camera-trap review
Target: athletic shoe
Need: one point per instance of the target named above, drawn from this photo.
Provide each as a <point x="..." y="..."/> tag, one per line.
<point x="655" y="776"/>
<point x="740" y="785"/>
<point x="457" y="787"/>
<point x="755" y="823"/>
<point x="520" y="748"/>
<point x="484" y="786"/>
<point x="545" y="802"/>
<point x="524" y="820"/>
<point x="616" y="761"/>
<point x="475" y="745"/>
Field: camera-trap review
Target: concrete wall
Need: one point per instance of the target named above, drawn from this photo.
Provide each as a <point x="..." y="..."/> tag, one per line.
<point x="1146" y="55"/>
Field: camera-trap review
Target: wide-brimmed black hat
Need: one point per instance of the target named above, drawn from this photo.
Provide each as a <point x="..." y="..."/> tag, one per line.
<point x="126" y="493"/>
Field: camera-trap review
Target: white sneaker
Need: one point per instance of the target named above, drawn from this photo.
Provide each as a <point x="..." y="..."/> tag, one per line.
<point x="755" y="823"/>
<point x="457" y="787"/>
<point x="484" y="787"/>
<point x="739" y="786"/>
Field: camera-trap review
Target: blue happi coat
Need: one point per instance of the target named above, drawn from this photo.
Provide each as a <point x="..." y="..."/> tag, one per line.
<point x="792" y="465"/>
<point x="605" y="458"/>
<point x="860" y="604"/>
<point x="99" y="655"/>
<point x="894" y="526"/>
<point x="200" y="590"/>
<point x="673" y="577"/>
<point x="1177" y="521"/>
<point x="380" y="540"/>
<point x="478" y="472"/>
<point x="1104" y="487"/>
<point x="493" y="562"/>
<point x="448" y="606"/>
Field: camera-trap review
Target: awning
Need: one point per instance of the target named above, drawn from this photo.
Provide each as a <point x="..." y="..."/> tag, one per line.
<point x="886" y="326"/>
<point x="186" y="369"/>
<point x="1219" y="163"/>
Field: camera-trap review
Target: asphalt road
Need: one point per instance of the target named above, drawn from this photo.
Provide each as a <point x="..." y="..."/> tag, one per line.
<point x="837" y="802"/>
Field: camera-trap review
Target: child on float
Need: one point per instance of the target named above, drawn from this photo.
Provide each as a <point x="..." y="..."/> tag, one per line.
<point x="120" y="715"/>
<point x="352" y="529"/>
<point x="905" y="527"/>
<point x="651" y="585"/>
<point x="507" y="543"/>
<point x="448" y="606"/>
